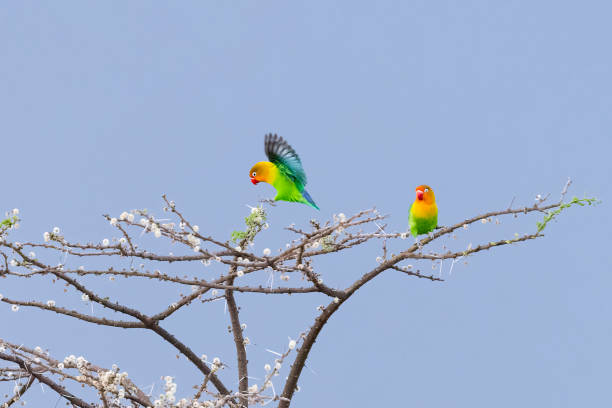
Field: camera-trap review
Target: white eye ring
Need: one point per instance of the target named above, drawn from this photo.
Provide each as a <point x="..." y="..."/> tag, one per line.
<point x="254" y="174"/>
<point x="426" y="190"/>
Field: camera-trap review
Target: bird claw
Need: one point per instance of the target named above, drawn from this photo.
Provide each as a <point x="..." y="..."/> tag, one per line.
<point x="418" y="244"/>
<point x="269" y="201"/>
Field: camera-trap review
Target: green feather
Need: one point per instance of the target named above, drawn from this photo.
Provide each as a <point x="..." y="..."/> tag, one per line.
<point x="287" y="190"/>
<point x="420" y="225"/>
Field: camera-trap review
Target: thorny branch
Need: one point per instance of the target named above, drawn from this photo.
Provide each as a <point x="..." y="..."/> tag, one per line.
<point x="234" y="264"/>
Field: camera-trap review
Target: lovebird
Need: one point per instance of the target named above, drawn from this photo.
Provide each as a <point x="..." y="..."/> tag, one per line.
<point x="423" y="212"/>
<point x="284" y="171"/>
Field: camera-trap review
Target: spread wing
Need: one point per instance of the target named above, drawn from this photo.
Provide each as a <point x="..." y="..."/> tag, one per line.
<point x="285" y="158"/>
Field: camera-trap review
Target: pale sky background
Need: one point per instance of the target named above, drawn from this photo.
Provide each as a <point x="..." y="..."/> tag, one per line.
<point x="107" y="105"/>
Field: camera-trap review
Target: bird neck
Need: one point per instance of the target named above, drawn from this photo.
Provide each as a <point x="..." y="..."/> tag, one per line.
<point x="270" y="172"/>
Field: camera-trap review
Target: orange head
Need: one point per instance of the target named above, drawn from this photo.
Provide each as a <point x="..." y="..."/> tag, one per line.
<point x="425" y="193"/>
<point x="263" y="171"/>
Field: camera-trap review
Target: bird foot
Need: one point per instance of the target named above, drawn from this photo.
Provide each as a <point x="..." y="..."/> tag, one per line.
<point x="269" y="201"/>
<point x="418" y="244"/>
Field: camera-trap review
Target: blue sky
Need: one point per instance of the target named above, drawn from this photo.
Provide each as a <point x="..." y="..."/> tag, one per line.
<point x="106" y="106"/>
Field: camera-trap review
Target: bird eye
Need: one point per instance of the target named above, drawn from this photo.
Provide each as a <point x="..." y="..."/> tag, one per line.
<point x="426" y="190"/>
<point x="254" y="174"/>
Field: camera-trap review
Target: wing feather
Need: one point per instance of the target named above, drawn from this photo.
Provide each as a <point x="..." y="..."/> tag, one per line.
<point x="285" y="158"/>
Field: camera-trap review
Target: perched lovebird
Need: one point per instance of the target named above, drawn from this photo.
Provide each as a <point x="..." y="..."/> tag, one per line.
<point x="424" y="212"/>
<point x="284" y="171"/>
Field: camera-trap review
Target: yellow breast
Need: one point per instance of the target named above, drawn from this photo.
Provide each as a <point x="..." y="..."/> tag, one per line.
<point x="421" y="209"/>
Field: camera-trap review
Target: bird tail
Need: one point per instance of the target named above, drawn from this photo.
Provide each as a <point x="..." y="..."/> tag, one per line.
<point x="309" y="199"/>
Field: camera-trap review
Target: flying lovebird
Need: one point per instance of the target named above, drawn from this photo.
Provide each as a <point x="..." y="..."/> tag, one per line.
<point x="423" y="212"/>
<point x="284" y="171"/>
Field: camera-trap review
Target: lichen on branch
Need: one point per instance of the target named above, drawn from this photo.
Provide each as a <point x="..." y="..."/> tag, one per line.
<point x="255" y="222"/>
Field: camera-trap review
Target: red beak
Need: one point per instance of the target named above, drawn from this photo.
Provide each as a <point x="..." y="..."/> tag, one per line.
<point x="419" y="194"/>
<point x="254" y="181"/>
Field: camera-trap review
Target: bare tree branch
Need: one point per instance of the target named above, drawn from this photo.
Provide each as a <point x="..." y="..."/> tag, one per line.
<point x="231" y="265"/>
<point x="53" y="385"/>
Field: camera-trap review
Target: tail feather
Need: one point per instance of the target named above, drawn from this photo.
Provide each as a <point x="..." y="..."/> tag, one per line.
<point x="309" y="199"/>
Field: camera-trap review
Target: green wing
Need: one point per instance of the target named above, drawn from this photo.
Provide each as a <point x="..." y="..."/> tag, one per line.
<point x="286" y="159"/>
